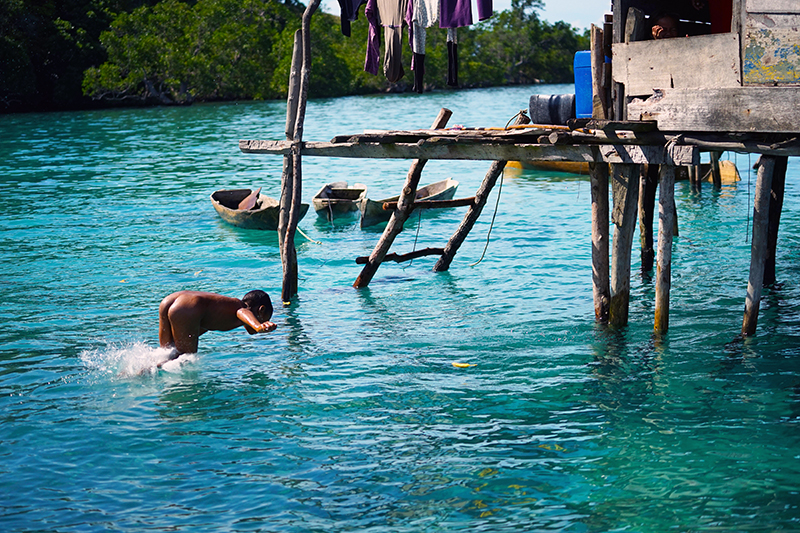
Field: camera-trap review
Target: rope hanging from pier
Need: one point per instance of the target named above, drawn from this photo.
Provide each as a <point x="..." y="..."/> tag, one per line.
<point x="491" y="225"/>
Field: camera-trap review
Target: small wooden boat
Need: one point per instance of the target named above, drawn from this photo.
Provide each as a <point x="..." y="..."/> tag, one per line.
<point x="337" y="198"/>
<point x="249" y="209"/>
<point x="372" y="211"/>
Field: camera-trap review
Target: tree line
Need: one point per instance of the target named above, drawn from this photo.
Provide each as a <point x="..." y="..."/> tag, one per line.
<point x="75" y="54"/>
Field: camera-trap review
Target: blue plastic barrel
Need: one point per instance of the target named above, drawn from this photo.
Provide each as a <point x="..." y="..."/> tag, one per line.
<point x="582" y="66"/>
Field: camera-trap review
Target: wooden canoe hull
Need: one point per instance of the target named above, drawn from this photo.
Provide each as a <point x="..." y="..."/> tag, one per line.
<point x="372" y="211"/>
<point x="264" y="217"/>
<point x="338" y="199"/>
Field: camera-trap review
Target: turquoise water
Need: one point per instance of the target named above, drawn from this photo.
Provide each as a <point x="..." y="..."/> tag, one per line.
<point x="351" y="416"/>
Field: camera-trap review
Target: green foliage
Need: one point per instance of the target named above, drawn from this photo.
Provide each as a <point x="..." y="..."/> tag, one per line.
<point x="176" y="53"/>
<point x="62" y="53"/>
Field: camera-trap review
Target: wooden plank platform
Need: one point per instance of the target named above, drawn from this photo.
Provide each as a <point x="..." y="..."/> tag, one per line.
<point x="454" y="149"/>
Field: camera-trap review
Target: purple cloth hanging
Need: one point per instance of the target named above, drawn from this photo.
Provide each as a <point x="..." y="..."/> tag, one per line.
<point x="373" y="38"/>
<point x="485" y="9"/>
<point x="455" y="13"/>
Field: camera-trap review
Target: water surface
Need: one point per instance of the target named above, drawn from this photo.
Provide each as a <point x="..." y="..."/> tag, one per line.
<point x="351" y="415"/>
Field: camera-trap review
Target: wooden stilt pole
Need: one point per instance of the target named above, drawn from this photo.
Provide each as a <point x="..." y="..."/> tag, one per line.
<point x="473" y="211"/>
<point x="675" y="232"/>
<point x="716" y="175"/>
<point x="758" y="246"/>
<point x="601" y="290"/>
<point x="648" y="183"/>
<point x="666" y="212"/>
<point x="395" y="224"/>
<point x="625" y="187"/>
<point x="291" y="117"/>
<point x="775" y="209"/>
<point x="288" y="251"/>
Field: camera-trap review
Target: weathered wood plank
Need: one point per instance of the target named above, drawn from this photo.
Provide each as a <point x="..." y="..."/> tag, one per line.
<point x="488" y="151"/>
<point x="599" y="100"/>
<point x="771" y="51"/>
<point x="700" y="61"/>
<point x="743" y="109"/>
<point x="771" y="6"/>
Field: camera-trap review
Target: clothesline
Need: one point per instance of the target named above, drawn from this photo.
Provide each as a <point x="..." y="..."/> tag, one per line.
<point x="417" y="16"/>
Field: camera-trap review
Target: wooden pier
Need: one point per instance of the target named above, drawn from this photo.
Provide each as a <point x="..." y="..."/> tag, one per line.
<point x="651" y="116"/>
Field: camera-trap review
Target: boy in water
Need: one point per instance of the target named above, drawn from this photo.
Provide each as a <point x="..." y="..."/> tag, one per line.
<point x="184" y="316"/>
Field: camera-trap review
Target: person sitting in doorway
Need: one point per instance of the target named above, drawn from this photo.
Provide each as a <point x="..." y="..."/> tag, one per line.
<point x="184" y="316"/>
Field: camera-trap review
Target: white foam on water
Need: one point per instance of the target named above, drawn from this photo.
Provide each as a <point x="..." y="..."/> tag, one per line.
<point x="135" y="359"/>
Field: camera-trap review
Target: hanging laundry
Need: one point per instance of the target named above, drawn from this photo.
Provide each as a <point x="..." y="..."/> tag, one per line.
<point x="421" y="14"/>
<point x="455" y="13"/>
<point x="452" y="57"/>
<point x="349" y="13"/>
<point x="485" y="9"/>
<point x="389" y="15"/>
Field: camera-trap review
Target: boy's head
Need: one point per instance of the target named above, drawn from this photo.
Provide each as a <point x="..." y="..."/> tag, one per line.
<point x="665" y="25"/>
<point x="259" y="303"/>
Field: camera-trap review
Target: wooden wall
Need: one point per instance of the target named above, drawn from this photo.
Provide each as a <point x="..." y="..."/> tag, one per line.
<point x="771" y="42"/>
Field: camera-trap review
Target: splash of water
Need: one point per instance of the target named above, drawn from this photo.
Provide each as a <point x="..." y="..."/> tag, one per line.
<point x="134" y="359"/>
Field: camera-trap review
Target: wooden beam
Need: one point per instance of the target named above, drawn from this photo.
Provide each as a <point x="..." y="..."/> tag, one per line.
<point x="601" y="291"/>
<point x="625" y="182"/>
<point x="398" y="218"/>
<point x="666" y="214"/>
<point x="742" y="109"/>
<point x="399" y="258"/>
<point x="758" y="246"/>
<point x="433" y="204"/>
<point x="440" y="148"/>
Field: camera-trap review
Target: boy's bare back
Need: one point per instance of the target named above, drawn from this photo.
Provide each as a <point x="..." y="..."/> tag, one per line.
<point x="185" y="315"/>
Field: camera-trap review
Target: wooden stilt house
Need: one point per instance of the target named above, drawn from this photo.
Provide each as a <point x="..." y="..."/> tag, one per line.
<point x="729" y="82"/>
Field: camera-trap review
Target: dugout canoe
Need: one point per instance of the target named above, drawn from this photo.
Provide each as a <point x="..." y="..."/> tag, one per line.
<point x="372" y="211"/>
<point x="339" y="198"/>
<point x="249" y="209"/>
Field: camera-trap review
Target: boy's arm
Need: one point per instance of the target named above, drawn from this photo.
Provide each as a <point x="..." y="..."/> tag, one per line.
<point x="251" y="323"/>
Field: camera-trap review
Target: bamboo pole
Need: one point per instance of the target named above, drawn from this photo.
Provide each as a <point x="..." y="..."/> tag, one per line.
<point x="666" y="214"/>
<point x="775" y="209"/>
<point x="288" y="251"/>
<point x="395" y="224"/>
<point x="601" y="290"/>
<point x="625" y="183"/>
<point x="648" y="183"/>
<point x="758" y="246"/>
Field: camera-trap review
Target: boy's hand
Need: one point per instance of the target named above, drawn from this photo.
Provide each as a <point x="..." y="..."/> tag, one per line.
<point x="266" y="327"/>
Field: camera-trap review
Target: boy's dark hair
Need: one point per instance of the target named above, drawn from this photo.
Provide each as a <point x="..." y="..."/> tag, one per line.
<point x="257" y="298"/>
